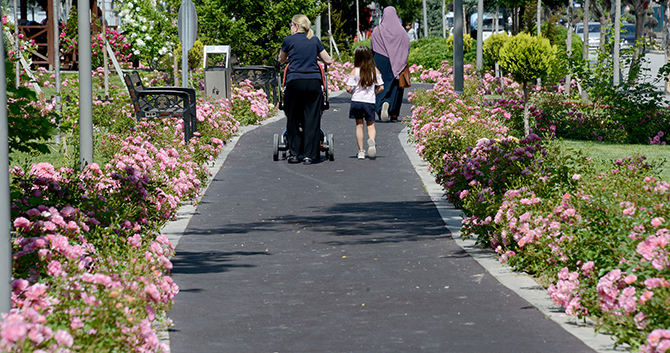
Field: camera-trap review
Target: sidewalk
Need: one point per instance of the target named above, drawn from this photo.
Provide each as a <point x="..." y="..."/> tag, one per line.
<point x="346" y="256"/>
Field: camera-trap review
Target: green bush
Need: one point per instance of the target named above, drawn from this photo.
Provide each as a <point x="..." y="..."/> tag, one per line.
<point x="557" y="36"/>
<point x="358" y="44"/>
<point x="194" y="55"/>
<point x="491" y="49"/>
<point x="430" y="52"/>
<point x="527" y="58"/>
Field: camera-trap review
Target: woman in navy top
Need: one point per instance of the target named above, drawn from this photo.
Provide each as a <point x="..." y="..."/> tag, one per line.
<point x="303" y="93"/>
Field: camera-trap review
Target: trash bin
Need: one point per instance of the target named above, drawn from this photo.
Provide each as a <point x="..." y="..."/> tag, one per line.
<point x="217" y="77"/>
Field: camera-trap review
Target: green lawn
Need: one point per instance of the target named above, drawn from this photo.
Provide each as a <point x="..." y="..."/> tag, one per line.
<point x="602" y="153"/>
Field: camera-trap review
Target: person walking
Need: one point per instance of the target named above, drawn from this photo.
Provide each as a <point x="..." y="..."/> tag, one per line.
<point x="390" y="45"/>
<point x="411" y="32"/>
<point x="364" y="82"/>
<point x="303" y="93"/>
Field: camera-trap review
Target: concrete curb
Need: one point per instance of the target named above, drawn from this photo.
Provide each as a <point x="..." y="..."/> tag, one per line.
<point x="521" y="283"/>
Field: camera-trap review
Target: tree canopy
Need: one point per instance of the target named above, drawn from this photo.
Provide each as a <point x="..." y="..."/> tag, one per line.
<point x="253" y="28"/>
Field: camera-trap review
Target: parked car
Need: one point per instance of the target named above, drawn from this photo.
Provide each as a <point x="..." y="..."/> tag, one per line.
<point x="594" y="33"/>
<point x="627" y="35"/>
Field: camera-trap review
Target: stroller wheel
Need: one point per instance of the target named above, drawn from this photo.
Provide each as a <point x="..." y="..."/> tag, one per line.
<point x="275" y="148"/>
<point x="331" y="148"/>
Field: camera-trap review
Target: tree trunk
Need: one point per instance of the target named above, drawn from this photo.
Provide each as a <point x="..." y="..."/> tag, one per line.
<point x="600" y="14"/>
<point x="640" y="18"/>
<point x="568" y="45"/>
<point x="587" y="16"/>
<point x="585" y="46"/>
<point x="526" y="95"/>
<point x="666" y="40"/>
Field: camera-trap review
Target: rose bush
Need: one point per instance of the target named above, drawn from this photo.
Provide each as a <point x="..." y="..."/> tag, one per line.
<point x="91" y="271"/>
<point x="596" y="237"/>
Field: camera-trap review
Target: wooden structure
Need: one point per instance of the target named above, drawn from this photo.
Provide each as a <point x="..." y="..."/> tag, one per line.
<point x="44" y="36"/>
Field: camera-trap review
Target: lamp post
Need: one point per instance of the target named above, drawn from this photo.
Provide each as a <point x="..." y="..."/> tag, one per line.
<point x="85" y="85"/>
<point x="5" y="196"/>
<point x="458" y="46"/>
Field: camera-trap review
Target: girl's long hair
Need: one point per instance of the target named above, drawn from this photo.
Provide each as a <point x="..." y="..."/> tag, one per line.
<point x="365" y="63"/>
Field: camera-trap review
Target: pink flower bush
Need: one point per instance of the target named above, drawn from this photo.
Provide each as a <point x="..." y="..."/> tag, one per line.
<point x="598" y="237"/>
<point x="89" y="263"/>
<point x="338" y="74"/>
<point x="247" y="104"/>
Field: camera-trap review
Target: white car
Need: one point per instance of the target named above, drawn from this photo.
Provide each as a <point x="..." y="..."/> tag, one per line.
<point x="594" y="33"/>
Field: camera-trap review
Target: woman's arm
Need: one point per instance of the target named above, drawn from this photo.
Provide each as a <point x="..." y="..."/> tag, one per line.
<point x="323" y="55"/>
<point x="282" y="57"/>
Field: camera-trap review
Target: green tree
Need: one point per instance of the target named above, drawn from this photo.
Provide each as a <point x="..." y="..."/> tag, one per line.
<point x="253" y="28"/>
<point x="527" y="58"/>
<point x="408" y="11"/>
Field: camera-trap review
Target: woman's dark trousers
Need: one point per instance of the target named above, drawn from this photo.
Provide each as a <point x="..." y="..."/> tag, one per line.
<point x="391" y="93"/>
<point x="303" y="103"/>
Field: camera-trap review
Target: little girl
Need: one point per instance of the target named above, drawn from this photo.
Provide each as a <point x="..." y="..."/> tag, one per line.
<point x="364" y="82"/>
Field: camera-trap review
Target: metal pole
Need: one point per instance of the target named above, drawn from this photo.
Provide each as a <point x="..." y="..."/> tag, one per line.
<point x="458" y="46"/>
<point x="617" y="36"/>
<point x="425" y="20"/>
<point x="496" y="29"/>
<point x="480" y="38"/>
<point x="5" y="196"/>
<point x="85" y="85"/>
<point x="358" y="23"/>
<point x="17" y="47"/>
<point x="539" y="31"/>
<point x="184" y="66"/>
<point x="318" y="27"/>
<point x="56" y="19"/>
<point x="104" y="51"/>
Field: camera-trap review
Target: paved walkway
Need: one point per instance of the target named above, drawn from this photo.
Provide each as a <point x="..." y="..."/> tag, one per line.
<point x="346" y="256"/>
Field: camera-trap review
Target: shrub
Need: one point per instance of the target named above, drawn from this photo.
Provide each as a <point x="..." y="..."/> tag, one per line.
<point x="430" y="52"/>
<point x="527" y="58"/>
<point x="491" y="49"/>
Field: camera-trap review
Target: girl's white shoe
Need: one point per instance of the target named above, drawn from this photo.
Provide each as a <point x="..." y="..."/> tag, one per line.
<point x="361" y="154"/>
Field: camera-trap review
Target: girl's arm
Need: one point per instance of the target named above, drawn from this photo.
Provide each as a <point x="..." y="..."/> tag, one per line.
<point x="349" y="89"/>
<point x="378" y="88"/>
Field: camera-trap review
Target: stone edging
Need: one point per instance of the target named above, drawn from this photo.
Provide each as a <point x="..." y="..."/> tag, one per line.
<point x="521" y="283"/>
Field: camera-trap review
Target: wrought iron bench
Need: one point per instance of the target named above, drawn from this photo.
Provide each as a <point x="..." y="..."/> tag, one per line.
<point x="168" y="101"/>
<point x="260" y="77"/>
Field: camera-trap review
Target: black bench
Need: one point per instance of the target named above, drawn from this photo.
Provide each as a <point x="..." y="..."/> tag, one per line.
<point x="261" y="77"/>
<point x="158" y="102"/>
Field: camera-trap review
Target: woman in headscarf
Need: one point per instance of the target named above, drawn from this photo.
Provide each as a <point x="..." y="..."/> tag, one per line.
<point x="303" y="94"/>
<point x="390" y="45"/>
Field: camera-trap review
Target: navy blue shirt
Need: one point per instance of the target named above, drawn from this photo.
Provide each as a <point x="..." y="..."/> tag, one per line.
<point x="302" y="56"/>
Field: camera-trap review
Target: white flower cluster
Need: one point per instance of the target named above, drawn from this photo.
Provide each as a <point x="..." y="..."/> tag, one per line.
<point x="143" y="24"/>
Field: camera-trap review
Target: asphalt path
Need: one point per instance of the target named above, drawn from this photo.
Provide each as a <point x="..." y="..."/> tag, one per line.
<point x="338" y="256"/>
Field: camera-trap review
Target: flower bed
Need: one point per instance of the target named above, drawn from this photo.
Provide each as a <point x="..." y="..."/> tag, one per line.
<point x="91" y="271"/>
<point x="596" y="237"/>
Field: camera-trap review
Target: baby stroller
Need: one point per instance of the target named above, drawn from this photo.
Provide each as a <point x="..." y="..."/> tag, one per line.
<point x="280" y="142"/>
